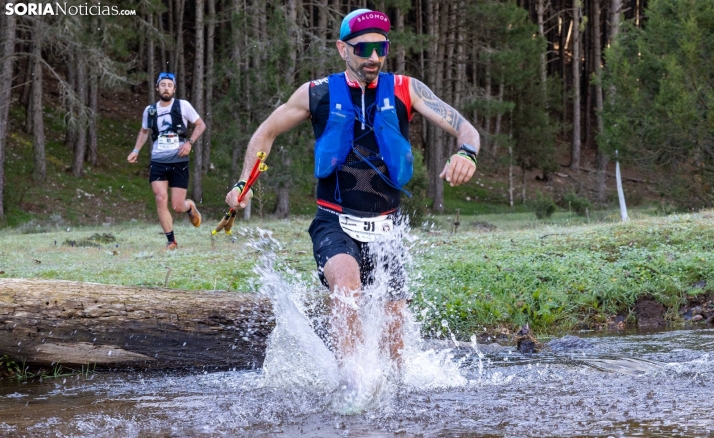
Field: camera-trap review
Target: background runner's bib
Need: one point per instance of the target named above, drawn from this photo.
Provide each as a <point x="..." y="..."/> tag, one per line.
<point x="168" y="142"/>
<point x="366" y="229"/>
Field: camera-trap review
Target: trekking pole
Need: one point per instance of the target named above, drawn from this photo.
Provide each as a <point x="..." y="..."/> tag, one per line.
<point x="227" y="222"/>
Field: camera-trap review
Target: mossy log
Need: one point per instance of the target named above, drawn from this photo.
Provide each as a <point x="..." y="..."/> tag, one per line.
<point x="46" y="321"/>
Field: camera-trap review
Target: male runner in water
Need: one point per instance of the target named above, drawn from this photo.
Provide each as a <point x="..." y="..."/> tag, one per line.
<point x="360" y="118"/>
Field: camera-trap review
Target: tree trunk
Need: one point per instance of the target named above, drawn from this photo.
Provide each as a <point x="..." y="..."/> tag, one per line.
<point x="474" y="79"/>
<point x="26" y="94"/>
<point x="80" y="147"/>
<point x="71" y="134"/>
<point x="420" y="31"/>
<point x="162" y="50"/>
<point x="236" y="42"/>
<point x="586" y="91"/>
<point x="39" y="172"/>
<point x="92" y="146"/>
<point x="7" y="38"/>
<point x="486" y="141"/>
<point x="460" y="58"/>
<point x="540" y="12"/>
<point x="511" y="185"/>
<point x="615" y="11"/>
<point x="564" y="31"/>
<point x="292" y="37"/>
<point x="436" y="140"/>
<point x="197" y="99"/>
<point x="499" y="116"/>
<point x="171" y="33"/>
<point x="602" y="158"/>
<point x="180" y="62"/>
<point x="282" y="207"/>
<point x="210" y="67"/>
<point x="401" y="53"/>
<point x="576" y="145"/>
<point x="45" y="322"/>
<point x="431" y="78"/>
<point x="322" y="19"/>
<point x="262" y="27"/>
<point x="150" y="55"/>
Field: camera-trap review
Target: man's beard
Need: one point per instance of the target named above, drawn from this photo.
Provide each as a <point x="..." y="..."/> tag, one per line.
<point x="166" y="98"/>
<point x="368" y="76"/>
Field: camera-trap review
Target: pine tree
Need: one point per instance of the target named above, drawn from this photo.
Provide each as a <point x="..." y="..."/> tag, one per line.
<point x="661" y="117"/>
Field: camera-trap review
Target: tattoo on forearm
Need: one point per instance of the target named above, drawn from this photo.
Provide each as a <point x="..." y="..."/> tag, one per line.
<point x="450" y="115"/>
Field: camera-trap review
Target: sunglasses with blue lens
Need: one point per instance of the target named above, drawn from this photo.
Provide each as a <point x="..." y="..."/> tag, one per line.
<point x="365" y="50"/>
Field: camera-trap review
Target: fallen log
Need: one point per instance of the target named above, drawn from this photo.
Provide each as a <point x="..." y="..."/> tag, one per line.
<point x="45" y="322"/>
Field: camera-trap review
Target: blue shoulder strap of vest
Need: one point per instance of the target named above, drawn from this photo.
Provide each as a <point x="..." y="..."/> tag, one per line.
<point x="393" y="146"/>
<point x="335" y="143"/>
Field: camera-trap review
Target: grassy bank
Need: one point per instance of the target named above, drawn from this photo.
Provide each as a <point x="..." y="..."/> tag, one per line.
<point x="557" y="276"/>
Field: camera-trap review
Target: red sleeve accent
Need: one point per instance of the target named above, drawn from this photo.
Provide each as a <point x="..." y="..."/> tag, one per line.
<point x="401" y="91"/>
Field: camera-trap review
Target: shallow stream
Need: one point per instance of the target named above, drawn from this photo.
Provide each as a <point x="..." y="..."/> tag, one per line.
<point x="636" y="384"/>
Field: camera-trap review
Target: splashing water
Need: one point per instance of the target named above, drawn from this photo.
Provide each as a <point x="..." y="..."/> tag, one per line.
<point x="298" y="359"/>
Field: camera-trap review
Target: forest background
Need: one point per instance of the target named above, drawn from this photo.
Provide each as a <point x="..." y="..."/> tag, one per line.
<point x="554" y="87"/>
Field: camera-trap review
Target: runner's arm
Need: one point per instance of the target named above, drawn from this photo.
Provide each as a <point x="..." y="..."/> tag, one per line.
<point x="288" y="115"/>
<point x="140" y="140"/>
<point x="198" y="129"/>
<point x="199" y="126"/>
<point x="460" y="169"/>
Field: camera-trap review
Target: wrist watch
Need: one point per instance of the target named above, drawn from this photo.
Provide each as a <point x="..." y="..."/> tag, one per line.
<point x="190" y="141"/>
<point x="471" y="150"/>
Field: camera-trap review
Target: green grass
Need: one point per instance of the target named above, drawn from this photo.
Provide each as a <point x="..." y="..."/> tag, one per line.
<point x="137" y="257"/>
<point x="557" y="276"/>
<point x="561" y="278"/>
<point x="504" y="218"/>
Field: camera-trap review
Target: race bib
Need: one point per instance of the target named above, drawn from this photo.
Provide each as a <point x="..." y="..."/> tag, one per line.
<point x="366" y="229"/>
<point x="167" y="142"/>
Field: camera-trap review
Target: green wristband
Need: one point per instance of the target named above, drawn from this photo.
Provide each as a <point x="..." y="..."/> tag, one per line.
<point x="240" y="185"/>
<point x="467" y="155"/>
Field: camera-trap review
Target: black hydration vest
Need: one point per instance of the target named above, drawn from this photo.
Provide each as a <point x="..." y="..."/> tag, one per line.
<point x="356" y="187"/>
<point x="177" y="126"/>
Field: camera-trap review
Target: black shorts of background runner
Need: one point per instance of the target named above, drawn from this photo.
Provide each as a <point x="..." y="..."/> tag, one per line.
<point x="175" y="173"/>
<point x="328" y="240"/>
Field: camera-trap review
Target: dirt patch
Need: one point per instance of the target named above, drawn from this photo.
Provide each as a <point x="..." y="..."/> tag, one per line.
<point x="122" y="104"/>
<point x="649" y="312"/>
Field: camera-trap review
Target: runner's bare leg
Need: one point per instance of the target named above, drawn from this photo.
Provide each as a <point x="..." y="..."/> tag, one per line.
<point x="395" y="329"/>
<point x="343" y="275"/>
<point x="178" y="200"/>
<point x="161" y="194"/>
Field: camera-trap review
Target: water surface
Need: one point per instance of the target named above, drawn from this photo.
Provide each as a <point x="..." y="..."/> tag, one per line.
<point x="653" y="384"/>
<point x="638" y="384"/>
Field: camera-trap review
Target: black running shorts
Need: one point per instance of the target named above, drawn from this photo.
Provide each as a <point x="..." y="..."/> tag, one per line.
<point x="328" y="240"/>
<point x="175" y="173"/>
